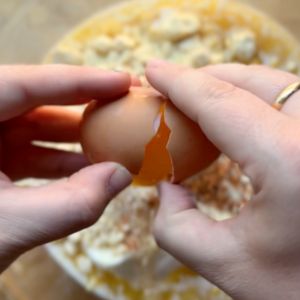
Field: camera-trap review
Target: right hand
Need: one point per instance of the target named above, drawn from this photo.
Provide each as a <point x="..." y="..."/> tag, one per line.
<point x="255" y="255"/>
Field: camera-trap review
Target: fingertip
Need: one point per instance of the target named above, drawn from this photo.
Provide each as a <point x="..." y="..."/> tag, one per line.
<point x="108" y="177"/>
<point x="163" y="65"/>
<point x="162" y="75"/>
<point x="124" y="80"/>
<point x="155" y="76"/>
<point x="69" y="204"/>
<point x="105" y="86"/>
<point x="155" y="67"/>
<point x="126" y="77"/>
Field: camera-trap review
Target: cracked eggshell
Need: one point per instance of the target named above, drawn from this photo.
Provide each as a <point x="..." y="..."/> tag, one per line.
<point x="119" y="131"/>
<point x="189" y="148"/>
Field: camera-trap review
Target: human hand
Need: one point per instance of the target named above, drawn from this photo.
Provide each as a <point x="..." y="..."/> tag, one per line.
<point x="255" y="255"/>
<point x="33" y="216"/>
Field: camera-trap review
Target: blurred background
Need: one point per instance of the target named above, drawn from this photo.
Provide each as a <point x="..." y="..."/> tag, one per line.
<point x="27" y="30"/>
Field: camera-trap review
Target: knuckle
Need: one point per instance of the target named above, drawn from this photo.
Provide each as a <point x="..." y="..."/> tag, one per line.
<point x="211" y="89"/>
<point x="219" y="90"/>
<point x="193" y="83"/>
<point x="216" y="96"/>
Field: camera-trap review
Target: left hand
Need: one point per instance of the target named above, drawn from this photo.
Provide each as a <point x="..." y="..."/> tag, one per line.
<point x="33" y="216"/>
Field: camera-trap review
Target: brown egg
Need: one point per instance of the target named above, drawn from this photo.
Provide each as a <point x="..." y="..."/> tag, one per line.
<point x="148" y="135"/>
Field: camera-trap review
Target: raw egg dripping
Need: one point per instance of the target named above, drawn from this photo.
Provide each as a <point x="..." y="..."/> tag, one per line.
<point x="157" y="164"/>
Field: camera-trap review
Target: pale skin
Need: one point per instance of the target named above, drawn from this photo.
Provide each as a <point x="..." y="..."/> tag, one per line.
<point x="253" y="256"/>
<point x="257" y="254"/>
<point x="33" y="216"/>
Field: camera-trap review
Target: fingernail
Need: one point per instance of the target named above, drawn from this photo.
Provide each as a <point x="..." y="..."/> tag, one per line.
<point x="119" y="180"/>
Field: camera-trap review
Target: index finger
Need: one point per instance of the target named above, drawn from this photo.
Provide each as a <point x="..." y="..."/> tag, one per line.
<point x="239" y="123"/>
<point x="263" y="81"/>
<point x="25" y="87"/>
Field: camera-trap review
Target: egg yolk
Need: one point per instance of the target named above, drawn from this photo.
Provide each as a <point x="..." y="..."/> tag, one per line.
<point x="157" y="164"/>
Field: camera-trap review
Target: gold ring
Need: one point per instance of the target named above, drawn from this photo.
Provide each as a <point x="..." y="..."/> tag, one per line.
<point x="286" y="94"/>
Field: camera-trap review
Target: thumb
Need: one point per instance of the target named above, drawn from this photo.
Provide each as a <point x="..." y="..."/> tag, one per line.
<point x="34" y="216"/>
<point x="196" y="240"/>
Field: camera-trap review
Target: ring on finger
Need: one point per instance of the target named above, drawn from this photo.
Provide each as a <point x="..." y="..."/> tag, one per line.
<point x="285" y="95"/>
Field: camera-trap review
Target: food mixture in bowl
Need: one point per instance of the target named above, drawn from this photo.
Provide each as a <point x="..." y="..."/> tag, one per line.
<point x="117" y="258"/>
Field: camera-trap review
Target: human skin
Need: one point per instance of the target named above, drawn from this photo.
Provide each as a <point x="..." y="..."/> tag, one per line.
<point x="255" y="255"/>
<point x="33" y="216"/>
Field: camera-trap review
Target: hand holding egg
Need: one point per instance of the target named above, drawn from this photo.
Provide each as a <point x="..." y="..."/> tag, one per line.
<point x="37" y="215"/>
<point x="146" y="133"/>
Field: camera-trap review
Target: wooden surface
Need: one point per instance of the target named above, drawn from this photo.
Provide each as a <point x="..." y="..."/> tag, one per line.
<point x="27" y="30"/>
